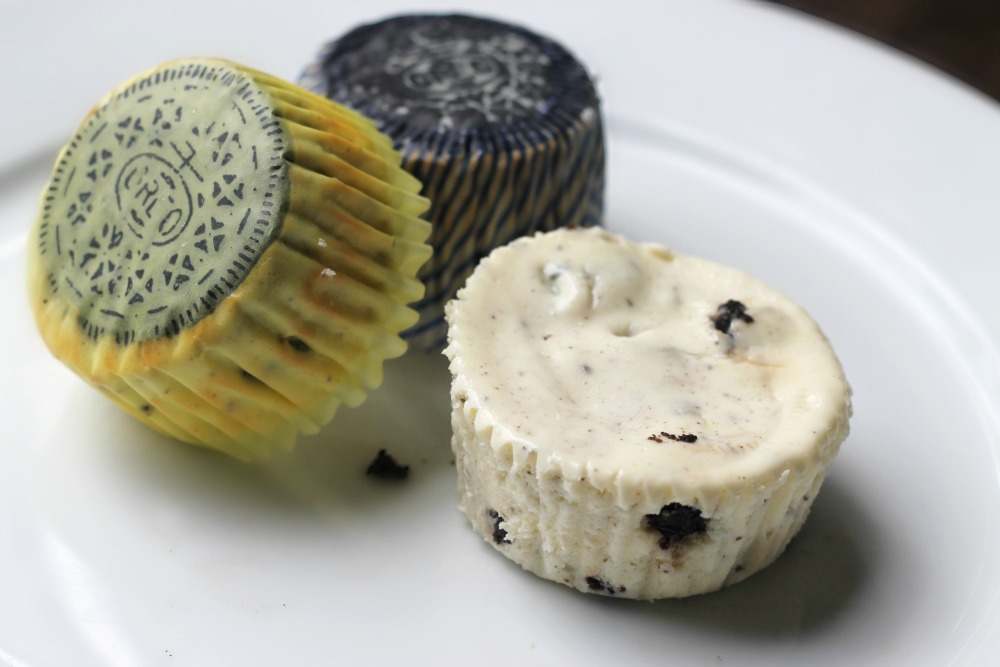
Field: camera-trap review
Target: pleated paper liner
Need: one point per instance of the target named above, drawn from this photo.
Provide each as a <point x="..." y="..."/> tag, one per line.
<point x="314" y="317"/>
<point x="496" y="190"/>
<point x="500" y="154"/>
<point x="556" y="520"/>
<point x="560" y="476"/>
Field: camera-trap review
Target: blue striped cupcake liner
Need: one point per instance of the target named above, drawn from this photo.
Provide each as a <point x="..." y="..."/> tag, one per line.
<point x="501" y="125"/>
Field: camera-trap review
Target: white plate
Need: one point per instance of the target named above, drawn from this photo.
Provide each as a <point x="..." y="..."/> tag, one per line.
<point x="860" y="182"/>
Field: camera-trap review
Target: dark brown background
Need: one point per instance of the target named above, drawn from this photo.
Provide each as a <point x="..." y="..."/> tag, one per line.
<point x="961" y="37"/>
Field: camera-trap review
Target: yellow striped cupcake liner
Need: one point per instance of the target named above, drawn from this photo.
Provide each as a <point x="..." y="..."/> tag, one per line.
<point x="227" y="256"/>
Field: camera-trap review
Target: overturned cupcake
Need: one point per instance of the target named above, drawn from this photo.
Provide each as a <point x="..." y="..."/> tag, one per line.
<point x="501" y="125"/>
<point x="634" y="423"/>
<point x="227" y="256"/>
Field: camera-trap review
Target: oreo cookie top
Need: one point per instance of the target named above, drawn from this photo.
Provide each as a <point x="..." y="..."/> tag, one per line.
<point x="164" y="200"/>
<point x="420" y="76"/>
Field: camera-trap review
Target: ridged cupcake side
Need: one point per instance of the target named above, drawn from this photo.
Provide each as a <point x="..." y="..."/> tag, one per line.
<point x="272" y="232"/>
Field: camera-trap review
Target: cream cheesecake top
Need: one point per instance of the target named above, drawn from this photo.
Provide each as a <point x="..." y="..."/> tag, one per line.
<point x="622" y="361"/>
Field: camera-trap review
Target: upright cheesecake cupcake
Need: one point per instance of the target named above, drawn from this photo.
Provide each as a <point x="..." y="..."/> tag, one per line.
<point x="227" y="256"/>
<point x="501" y="125"/>
<point x="634" y="423"/>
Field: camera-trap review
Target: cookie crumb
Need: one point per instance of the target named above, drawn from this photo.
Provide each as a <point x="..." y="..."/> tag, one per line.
<point x="499" y="534"/>
<point x="298" y="344"/>
<point x="729" y="311"/>
<point x="683" y="437"/>
<point x="386" y="467"/>
<point x="675" y="522"/>
<point x="598" y="584"/>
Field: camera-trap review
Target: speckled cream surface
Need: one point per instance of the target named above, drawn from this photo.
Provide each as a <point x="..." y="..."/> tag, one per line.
<point x="636" y="423"/>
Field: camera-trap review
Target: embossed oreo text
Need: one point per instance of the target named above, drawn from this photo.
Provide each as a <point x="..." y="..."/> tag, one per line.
<point x="164" y="201"/>
<point x="153" y="199"/>
<point x="499" y="78"/>
<point x="453" y="72"/>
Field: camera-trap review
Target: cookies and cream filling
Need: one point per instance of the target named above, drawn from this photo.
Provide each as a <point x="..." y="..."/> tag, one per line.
<point x="632" y="361"/>
<point x="635" y="423"/>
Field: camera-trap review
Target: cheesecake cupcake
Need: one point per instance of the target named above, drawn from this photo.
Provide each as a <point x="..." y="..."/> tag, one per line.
<point x="500" y="124"/>
<point x="227" y="256"/>
<point x="636" y="423"/>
